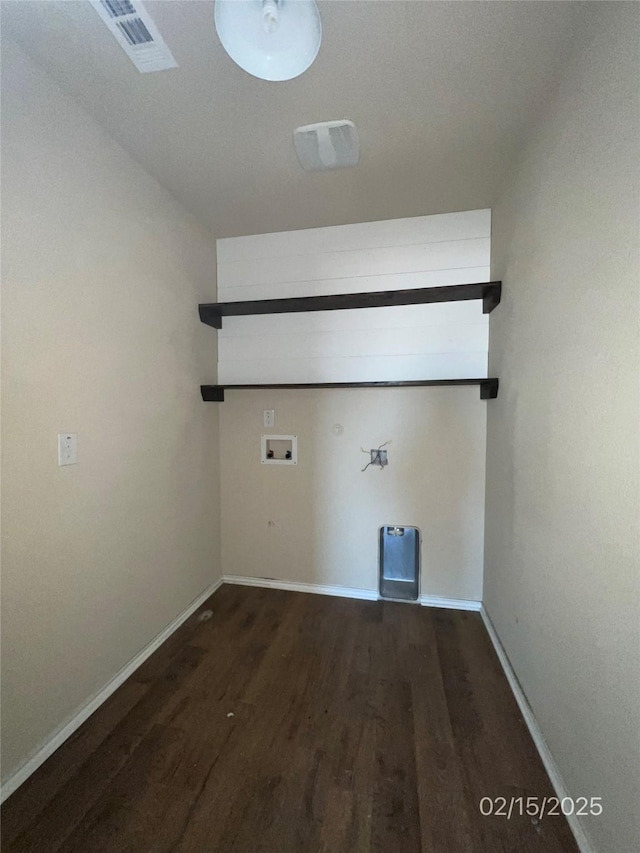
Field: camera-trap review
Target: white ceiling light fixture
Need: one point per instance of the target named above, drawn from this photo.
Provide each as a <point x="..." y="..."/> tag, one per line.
<point x="270" y="39"/>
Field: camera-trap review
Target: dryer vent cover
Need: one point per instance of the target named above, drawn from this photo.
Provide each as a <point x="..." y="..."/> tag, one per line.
<point x="327" y="145"/>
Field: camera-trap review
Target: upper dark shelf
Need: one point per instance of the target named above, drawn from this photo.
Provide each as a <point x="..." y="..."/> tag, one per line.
<point x="488" y="386"/>
<point x="212" y="313"/>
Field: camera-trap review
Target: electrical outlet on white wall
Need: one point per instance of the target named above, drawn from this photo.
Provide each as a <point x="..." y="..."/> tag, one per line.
<point x="268" y="417"/>
<point x="67" y="448"/>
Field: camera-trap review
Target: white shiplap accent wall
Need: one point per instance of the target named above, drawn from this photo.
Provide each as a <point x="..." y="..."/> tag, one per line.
<point x="407" y="342"/>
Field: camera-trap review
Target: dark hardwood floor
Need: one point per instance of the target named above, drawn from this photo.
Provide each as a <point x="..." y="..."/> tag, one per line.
<point x="292" y="722"/>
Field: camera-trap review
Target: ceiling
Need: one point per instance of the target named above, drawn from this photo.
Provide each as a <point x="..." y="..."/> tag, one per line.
<point x="443" y="94"/>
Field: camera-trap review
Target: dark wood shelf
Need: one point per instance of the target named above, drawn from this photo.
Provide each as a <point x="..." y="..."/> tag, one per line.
<point x="488" y="387"/>
<point x="490" y="292"/>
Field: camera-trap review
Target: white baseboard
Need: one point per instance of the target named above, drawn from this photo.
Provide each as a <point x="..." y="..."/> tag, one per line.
<point x="294" y="586"/>
<point x="550" y="765"/>
<point x="58" y="738"/>
<point x="348" y="592"/>
<point x="450" y="603"/>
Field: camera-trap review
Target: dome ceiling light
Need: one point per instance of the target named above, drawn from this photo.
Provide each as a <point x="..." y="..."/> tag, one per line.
<point x="270" y="39"/>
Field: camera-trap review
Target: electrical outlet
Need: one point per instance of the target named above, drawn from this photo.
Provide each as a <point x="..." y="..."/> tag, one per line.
<point x="268" y="417"/>
<point x="379" y="457"/>
<point x="67" y="448"/>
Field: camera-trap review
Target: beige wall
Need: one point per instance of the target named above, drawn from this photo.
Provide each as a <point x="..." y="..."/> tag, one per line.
<point x="102" y="273"/>
<point x="562" y="560"/>
<point x="325" y="513"/>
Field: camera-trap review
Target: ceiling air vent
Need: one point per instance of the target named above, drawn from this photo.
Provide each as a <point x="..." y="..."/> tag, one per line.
<point x="136" y="34"/>
<point x="327" y="145"/>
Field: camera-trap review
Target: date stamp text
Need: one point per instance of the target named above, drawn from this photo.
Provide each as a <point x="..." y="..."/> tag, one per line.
<point x="539" y="807"/>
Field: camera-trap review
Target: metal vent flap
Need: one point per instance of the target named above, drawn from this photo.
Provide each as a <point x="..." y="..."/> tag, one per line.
<point x="137" y="35"/>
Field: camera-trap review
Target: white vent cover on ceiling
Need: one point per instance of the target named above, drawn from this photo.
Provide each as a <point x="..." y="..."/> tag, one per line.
<point x="136" y="34"/>
<point x="327" y="145"/>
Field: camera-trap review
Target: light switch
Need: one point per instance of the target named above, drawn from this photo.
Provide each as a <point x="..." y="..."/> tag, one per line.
<point x="67" y="448"/>
<point x="268" y="417"/>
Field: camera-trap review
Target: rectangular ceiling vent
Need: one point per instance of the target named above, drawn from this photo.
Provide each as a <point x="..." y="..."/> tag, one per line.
<point x="327" y="145"/>
<point x="136" y="34"/>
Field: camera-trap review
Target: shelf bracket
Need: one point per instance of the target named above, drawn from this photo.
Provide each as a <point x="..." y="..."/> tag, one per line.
<point x="489" y="389"/>
<point x="212" y="393"/>
<point x="210" y="316"/>
<point x="491" y="295"/>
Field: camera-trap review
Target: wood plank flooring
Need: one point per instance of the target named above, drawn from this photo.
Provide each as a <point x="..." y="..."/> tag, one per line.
<point x="298" y="723"/>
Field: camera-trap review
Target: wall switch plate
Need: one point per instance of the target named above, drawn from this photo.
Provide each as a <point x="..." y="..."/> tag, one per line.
<point x="268" y="417"/>
<point x="67" y="448"/>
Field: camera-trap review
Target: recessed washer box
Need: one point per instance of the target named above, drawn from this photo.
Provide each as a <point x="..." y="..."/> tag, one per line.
<point x="279" y="450"/>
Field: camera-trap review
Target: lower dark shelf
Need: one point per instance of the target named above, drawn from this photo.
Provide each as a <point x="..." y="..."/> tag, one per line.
<point x="488" y="387"/>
